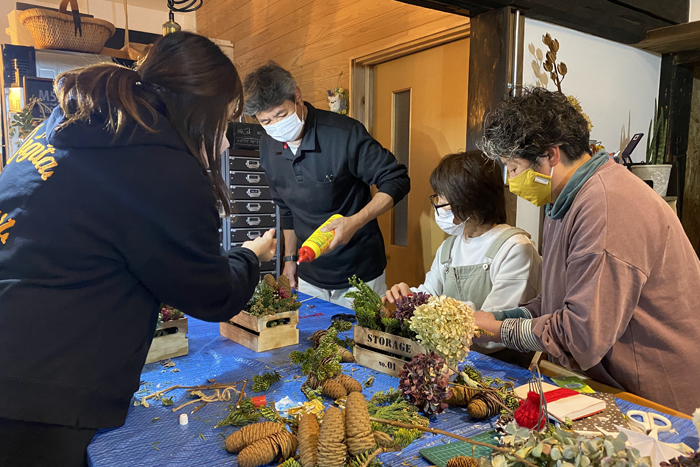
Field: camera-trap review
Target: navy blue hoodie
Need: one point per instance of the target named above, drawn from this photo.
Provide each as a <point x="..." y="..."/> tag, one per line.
<point x="94" y="234"/>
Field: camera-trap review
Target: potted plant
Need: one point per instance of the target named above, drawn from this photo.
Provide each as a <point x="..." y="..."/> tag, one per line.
<point x="654" y="171"/>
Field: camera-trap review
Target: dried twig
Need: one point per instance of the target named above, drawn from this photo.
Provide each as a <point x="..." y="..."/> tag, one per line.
<point x="436" y="431"/>
<point x="238" y="404"/>
<point x="159" y="392"/>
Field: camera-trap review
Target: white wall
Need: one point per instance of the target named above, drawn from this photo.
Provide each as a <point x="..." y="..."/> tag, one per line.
<point x="615" y="84"/>
<point x="140" y="19"/>
<point x="694" y="10"/>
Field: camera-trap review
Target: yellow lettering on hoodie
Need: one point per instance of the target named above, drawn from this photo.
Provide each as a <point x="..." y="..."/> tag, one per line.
<point x="5" y="224"/>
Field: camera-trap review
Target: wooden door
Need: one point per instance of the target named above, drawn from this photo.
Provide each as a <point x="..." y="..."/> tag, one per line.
<point x="420" y="113"/>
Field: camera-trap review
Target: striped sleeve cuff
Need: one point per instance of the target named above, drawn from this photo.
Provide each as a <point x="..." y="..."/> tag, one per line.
<point x="517" y="334"/>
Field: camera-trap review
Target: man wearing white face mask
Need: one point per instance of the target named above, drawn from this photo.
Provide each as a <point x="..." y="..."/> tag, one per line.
<point x="484" y="261"/>
<point x="319" y="163"/>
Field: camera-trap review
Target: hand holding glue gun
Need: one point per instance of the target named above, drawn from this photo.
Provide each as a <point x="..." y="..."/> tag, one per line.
<point x="323" y="240"/>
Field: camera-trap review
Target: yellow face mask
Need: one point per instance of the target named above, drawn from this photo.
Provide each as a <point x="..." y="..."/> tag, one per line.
<point x="532" y="186"/>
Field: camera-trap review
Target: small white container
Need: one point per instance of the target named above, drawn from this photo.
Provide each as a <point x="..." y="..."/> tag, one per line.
<point x="658" y="174"/>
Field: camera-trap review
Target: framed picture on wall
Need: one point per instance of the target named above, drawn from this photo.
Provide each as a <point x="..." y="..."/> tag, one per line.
<point x="41" y="88"/>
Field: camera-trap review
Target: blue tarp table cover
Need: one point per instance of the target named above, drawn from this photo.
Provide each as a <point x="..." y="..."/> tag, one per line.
<point x="153" y="436"/>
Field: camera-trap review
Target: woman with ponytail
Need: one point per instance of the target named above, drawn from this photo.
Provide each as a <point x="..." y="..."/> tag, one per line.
<point x="110" y="208"/>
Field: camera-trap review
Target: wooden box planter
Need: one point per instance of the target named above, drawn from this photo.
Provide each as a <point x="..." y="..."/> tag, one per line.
<point x="383" y="352"/>
<point x="253" y="332"/>
<point x="172" y="345"/>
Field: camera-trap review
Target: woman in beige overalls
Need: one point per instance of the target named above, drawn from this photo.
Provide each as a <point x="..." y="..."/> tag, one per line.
<point x="484" y="261"/>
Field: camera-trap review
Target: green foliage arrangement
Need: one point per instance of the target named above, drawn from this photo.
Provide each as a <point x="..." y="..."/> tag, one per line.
<point x="272" y="297"/>
<point x="564" y="449"/>
<point x="371" y="312"/>
<point x="243" y="415"/>
<point x="391" y="405"/>
<point x="656" y="138"/>
<point x="324" y="361"/>
<point x="263" y="382"/>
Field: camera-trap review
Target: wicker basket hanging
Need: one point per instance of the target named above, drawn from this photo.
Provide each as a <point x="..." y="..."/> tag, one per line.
<point x="61" y="31"/>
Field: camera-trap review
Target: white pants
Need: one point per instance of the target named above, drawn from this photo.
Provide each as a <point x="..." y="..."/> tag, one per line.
<point x="338" y="296"/>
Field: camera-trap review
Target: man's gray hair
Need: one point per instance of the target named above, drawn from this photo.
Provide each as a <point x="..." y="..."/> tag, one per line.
<point x="267" y="87"/>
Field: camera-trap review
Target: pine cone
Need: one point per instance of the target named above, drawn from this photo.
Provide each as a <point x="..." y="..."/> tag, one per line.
<point x="483" y="405"/>
<point x="461" y="395"/>
<point x="308" y="440"/>
<point x="262" y="452"/>
<point x="345" y="355"/>
<point x="249" y="434"/>
<point x="333" y="389"/>
<point x="312" y="381"/>
<point x="331" y="441"/>
<point x="283" y="284"/>
<point x="384" y="312"/>
<point x="317" y="336"/>
<point x="462" y="461"/>
<point x="383" y="439"/>
<point x="349" y="383"/>
<point x="357" y="427"/>
<point x="270" y="281"/>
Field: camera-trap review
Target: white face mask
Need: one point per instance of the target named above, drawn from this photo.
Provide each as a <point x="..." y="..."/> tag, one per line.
<point x="286" y="130"/>
<point x="445" y="222"/>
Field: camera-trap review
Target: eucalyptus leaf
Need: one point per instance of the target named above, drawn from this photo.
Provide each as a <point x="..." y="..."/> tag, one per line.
<point x="556" y="454"/>
<point x="499" y="461"/>
<point x="537" y="450"/>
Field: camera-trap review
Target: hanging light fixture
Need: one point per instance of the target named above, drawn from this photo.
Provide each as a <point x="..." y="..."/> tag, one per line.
<point x="179" y="6"/>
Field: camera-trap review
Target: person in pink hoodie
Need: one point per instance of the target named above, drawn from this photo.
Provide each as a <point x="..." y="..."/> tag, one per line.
<point x="620" y="279"/>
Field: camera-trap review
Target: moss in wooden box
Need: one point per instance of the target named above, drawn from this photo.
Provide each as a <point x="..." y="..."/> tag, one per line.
<point x="269" y="320"/>
<point x="272" y="297"/>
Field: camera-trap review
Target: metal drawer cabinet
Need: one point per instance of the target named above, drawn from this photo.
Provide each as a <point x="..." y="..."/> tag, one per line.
<point x="261" y="221"/>
<point x="253" y="207"/>
<point x="248" y="178"/>
<point x="241" y="193"/>
<point x="244" y="164"/>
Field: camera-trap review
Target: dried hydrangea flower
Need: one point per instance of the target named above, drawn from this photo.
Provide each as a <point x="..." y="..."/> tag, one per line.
<point x="446" y="326"/>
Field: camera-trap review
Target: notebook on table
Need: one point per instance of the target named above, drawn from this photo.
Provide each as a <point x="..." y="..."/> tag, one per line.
<point x="565" y="403"/>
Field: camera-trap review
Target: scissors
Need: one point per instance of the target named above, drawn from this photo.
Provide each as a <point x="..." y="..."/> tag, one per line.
<point x="647" y="422"/>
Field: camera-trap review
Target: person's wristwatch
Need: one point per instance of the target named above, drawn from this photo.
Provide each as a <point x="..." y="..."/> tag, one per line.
<point x="293" y="258"/>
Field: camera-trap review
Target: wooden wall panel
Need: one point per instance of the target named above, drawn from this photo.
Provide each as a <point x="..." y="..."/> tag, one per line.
<point x="315" y="39"/>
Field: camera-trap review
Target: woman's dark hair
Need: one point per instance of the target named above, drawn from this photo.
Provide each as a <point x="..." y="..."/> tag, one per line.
<point x="529" y="124"/>
<point x="184" y="74"/>
<point x="268" y="86"/>
<point x="473" y="185"/>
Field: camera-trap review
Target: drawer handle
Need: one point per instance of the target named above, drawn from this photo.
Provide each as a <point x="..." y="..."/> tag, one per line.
<point x="253" y="234"/>
<point x="253" y="193"/>
<point x="253" y="207"/>
<point x="252" y="221"/>
<point x="253" y="178"/>
<point x="252" y="164"/>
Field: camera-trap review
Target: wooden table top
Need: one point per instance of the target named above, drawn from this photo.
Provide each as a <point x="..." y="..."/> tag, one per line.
<point x="553" y="370"/>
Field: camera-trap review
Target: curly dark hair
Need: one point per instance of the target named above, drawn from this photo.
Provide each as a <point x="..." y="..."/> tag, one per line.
<point x="473" y="185"/>
<point x="526" y="126"/>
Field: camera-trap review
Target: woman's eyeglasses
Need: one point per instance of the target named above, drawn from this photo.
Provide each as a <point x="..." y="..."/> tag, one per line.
<point x="433" y="199"/>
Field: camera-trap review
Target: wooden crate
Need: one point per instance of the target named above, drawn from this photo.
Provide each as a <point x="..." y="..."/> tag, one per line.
<point x="372" y="349"/>
<point x="172" y="345"/>
<point x="252" y="332"/>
